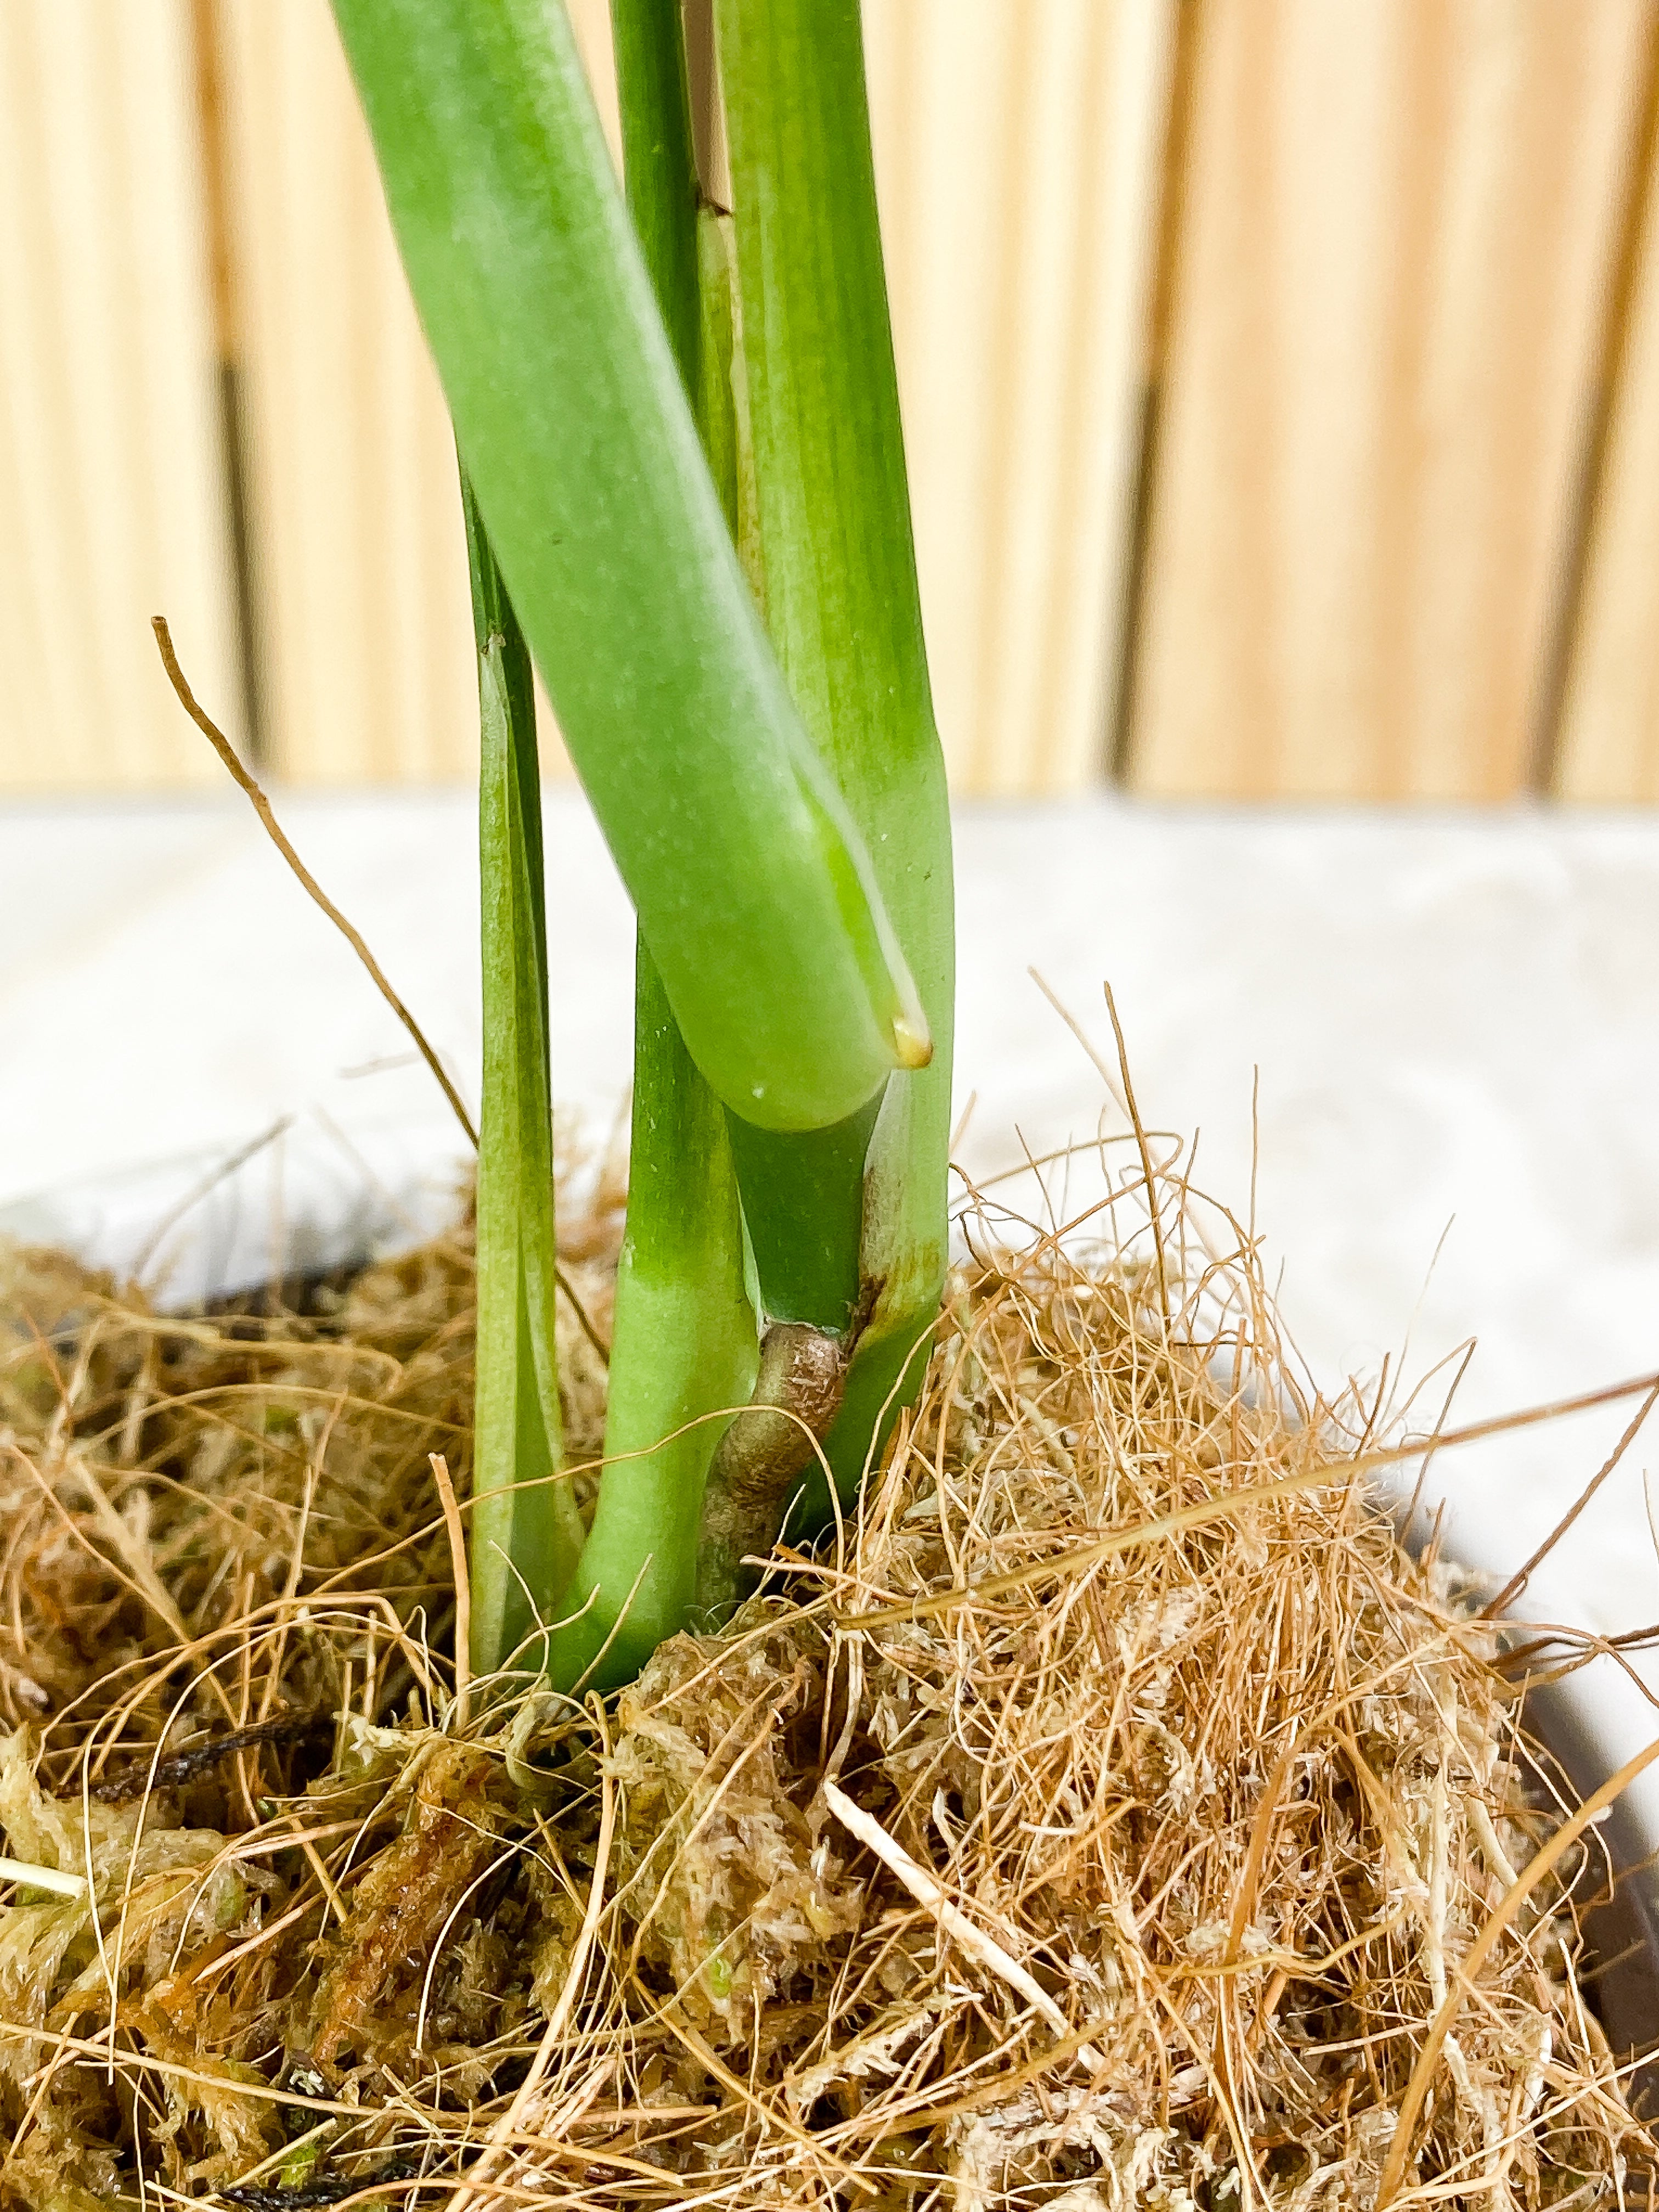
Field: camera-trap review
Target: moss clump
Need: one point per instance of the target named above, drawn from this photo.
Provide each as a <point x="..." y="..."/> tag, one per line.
<point x="1166" y="1840"/>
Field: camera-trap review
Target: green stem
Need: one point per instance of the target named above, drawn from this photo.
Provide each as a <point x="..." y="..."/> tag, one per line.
<point x="659" y="165"/>
<point x="843" y="611"/>
<point x="683" y="1350"/>
<point x="525" y="1530"/>
<point x="682" y="1356"/>
<point x="803" y="1197"/>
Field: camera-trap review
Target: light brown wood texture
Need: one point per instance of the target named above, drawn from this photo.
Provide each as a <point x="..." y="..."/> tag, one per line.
<point x="1607" y="746"/>
<point x="366" y="665"/>
<point x="1017" y="157"/>
<point x="111" y="494"/>
<point x="1386" y="339"/>
<point x="1385" y="330"/>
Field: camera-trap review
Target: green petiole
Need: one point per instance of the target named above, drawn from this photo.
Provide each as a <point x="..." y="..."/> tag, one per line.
<point x="845" y="616"/>
<point x="683" y="1346"/>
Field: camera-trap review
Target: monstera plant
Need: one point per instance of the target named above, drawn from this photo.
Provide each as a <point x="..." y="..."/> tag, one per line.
<point x="685" y="497"/>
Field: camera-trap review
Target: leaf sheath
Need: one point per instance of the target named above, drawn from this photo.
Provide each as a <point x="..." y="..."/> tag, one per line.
<point x="525" y="1531"/>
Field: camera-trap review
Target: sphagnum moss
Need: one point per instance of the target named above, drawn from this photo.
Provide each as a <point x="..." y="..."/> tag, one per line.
<point x="1232" y="1803"/>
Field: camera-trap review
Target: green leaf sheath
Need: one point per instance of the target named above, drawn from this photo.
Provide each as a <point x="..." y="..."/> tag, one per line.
<point x="493" y="617"/>
<point x="525" y="1531"/>
<point x="682" y="1352"/>
<point x="683" y="1347"/>
<point x="841" y="602"/>
<point x="659" y="165"/>
<point x="717" y="418"/>
<point x="752" y="887"/>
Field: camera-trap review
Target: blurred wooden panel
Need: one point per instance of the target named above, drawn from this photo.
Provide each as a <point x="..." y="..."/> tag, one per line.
<point x="1396" y="225"/>
<point x="1608" y="745"/>
<point x="111" y="488"/>
<point x="366" y="636"/>
<point x="366" y="671"/>
<point x="1017" y="155"/>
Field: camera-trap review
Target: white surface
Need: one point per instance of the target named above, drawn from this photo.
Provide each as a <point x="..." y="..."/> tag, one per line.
<point x="1455" y="1021"/>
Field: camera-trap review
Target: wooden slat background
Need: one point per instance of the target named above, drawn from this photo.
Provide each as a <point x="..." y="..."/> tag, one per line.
<point x="1610" y="737"/>
<point x="111" y="493"/>
<point x="1280" y="380"/>
<point x="1384" y="337"/>
<point x="365" y="640"/>
<point x="365" y="631"/>
<point x="1016" y="158"/>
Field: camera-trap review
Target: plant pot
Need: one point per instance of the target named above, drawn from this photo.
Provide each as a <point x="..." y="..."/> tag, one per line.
<point x="1571" y="1720"/>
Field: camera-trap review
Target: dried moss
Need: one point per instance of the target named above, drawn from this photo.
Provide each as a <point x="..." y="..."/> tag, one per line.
<point x="1219" y="1810"/>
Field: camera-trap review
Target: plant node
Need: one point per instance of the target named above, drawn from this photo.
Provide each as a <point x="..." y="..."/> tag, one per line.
<point x="762" y="1456"/>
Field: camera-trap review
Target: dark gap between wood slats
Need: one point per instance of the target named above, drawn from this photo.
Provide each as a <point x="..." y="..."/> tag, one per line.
<point x="208" y="37"/>
<point x="1589" y="481"/>
<point x="1118" y="736"/>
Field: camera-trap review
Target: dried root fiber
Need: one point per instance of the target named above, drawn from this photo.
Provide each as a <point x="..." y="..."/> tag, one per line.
<point x="1102" y="1819"/>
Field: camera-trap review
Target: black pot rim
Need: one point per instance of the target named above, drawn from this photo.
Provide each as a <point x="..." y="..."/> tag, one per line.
<point x="1621" y="1928"/>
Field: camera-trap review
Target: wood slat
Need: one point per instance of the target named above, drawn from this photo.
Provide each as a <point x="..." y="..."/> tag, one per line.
<point x="111" y="484"/>
<point x="1607" y="743"/>
<point x="1017" y="165"/>
<point x="359" y="559"/>
<point x="366" y="663"/>
<point x="1397" y="222"/>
